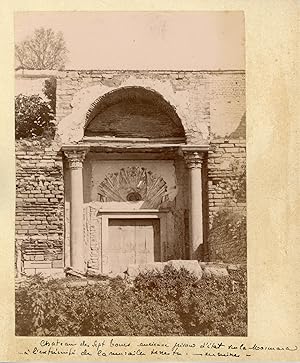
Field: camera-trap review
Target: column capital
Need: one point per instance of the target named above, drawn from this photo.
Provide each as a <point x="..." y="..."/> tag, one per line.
<point x="193" y="159"/>
<point x="75" y="156"/>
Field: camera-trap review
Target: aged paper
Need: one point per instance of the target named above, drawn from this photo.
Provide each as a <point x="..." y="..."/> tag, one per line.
<point x="272" y="206"/>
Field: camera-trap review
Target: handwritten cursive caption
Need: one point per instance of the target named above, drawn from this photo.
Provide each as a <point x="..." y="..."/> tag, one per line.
<point x="115" y="347"/>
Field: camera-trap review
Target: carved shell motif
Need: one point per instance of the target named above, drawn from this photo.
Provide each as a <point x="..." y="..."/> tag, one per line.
<point x="134" y="183"/>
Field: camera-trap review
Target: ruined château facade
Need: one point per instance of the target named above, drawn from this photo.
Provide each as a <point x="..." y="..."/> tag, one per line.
<point x="136" y="172"/>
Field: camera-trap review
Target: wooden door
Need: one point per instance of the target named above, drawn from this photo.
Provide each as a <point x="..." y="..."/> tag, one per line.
<point x="131" y="241"/>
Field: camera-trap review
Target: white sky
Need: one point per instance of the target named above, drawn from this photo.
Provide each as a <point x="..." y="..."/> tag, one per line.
<point x="144" y="40"/>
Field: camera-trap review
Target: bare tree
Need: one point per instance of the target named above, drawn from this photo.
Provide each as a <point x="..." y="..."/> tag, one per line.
<point x="44" y="50"/>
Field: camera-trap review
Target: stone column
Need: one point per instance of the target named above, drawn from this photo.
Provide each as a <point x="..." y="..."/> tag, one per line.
<point x="75" y="158"/>
<point x="194" y="161"/>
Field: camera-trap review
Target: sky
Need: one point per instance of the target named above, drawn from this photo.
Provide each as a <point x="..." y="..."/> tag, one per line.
<point x="144" y="40"/>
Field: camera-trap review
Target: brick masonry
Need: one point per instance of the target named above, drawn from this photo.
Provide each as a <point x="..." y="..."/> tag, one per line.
<point x="222" y="173"/>
<point x="213" y="111"/>
<point x="39" y="206"/>
<point x="223" y="155"/>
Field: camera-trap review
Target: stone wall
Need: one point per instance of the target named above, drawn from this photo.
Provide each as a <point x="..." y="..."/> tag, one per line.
<point x="209" y="103"/>
<point x="224" y="155"/>
<point x="227" y="99"/>
<point x="216" y="98"/>
<point x="225" y="209"/>
<point x="39" y="207"/>
<point x="213" y="106"/>
<point x="226" y="201"/>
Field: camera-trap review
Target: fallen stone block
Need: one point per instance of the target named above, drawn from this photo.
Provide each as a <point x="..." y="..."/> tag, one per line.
<point x="232" y="267"/>
<point x="117" y="274"/>
<point x="70" y="271"/>
<point x="93" y="272"/>
<point x="78" y="283"/>
<point x="215" y="271"/>
<point x="192" y="266"/>
<point x="134" y="270"/>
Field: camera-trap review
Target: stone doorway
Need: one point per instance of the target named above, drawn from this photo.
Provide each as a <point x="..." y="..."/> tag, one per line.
<point x="131" y="241"/>
<point x="130" y="237"/>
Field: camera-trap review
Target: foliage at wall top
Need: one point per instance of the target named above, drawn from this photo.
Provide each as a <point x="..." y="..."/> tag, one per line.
<point x="33" y="117"/>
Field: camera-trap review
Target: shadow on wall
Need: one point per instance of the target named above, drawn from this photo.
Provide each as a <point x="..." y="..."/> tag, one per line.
<point x="240" y="131"/>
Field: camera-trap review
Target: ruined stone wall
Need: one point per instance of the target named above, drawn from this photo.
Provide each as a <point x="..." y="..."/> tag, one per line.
<point x="226" y="161"/>
<point x="39" y="207"/>
<point x="216" y="99"/>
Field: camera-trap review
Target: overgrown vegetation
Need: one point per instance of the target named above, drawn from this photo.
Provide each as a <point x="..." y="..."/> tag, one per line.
<point x="236" y="184"/>
<point x="50" y="92"/>
<point x="34" y="114"/>
<point x="173" y="303"/>
<point x="227" y="239"/>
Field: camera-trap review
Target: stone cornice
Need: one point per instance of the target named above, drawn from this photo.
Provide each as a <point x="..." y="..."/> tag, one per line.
<point x="48" y="73"/>
<point x="34" y="73"/>
<point x="194" y="147"/>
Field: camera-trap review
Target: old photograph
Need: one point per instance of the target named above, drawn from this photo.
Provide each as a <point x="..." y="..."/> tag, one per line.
<point x="130" y="152"/>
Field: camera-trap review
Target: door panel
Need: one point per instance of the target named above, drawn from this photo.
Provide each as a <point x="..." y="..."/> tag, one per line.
<point x="131" y="241"/>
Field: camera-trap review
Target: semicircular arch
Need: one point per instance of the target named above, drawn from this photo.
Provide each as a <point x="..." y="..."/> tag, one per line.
<point x="71" y="128"/>
<point x="134" y="112"/>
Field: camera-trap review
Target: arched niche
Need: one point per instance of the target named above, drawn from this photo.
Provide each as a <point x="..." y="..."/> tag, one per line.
<point x="179" y="106"/>
<point x="133" y="112"/>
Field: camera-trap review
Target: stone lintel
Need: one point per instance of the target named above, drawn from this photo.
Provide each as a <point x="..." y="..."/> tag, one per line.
<point x="75" y="147"/>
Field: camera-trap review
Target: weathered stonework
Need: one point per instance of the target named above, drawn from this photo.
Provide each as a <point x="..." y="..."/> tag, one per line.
<point x="39" y="207"/>
<point x="226" y="159"/>
<point x="210" y="107"/>
<point x="78" y="92"/>
<point x="223" y="155"/>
